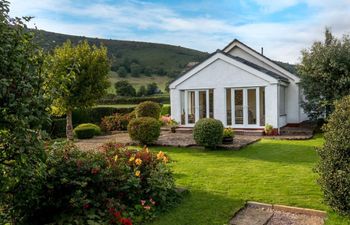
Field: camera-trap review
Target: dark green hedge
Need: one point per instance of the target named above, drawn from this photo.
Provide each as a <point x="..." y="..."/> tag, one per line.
<point x="164" y="99"/>
<point x="95" y="115"/>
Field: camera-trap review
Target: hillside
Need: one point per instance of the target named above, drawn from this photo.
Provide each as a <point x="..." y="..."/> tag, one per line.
<point x="136" y="57"/>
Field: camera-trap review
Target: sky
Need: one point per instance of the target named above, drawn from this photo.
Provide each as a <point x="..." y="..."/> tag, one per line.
<point x="282" y="27"/>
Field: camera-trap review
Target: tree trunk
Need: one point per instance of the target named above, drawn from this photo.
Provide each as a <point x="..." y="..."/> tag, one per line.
<point x="69" y="126"/>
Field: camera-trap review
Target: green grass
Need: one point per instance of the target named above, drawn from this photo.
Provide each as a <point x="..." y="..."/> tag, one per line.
<point x="270" y="171"/>
<point x="138" y="81"/>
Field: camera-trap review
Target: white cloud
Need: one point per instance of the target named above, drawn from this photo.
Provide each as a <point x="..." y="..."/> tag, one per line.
<point x="150" y="22"/>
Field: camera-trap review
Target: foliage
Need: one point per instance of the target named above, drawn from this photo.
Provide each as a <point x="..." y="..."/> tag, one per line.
<point x="148" y="109"/>
<point x="146" y="130"/>
<point x="208" y="132"/>
<point x="228" y="133"/>
<point x="77" y="77"/>
<point x="268" y="129"/>
<point x="325" y="74"/>
<point x="142" y="91"/>
<point x="57" y="128"/>
<point x="116" y="122"/>
<point x="334" y="164"/>
<point x="152" y="89"/>
<point x="134" y="100"/>
<point x="166" y="110"/>
<point x="84" y="132"/>
<point x="22" y="114"/>
<point x="124" y="88"/>
<point x="122" y="72"/>
<point x="97" y="129"/>
<point x="110" y="186"/>
<point x="168" y="121"/>
<point x="135" y="69"/>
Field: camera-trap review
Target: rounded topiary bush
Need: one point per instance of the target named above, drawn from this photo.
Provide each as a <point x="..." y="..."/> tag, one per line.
<point x="334" y="163"/>
<point x="208" y="132"/>
<point x="148" y="109"/>
<point x="85" y="132"/>
<point x="146" y="130"/>
<point x="97" y="129"/>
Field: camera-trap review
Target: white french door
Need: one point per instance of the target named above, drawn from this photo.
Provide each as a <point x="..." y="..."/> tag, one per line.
<point x="198" y="105"/>
<point x="245" y="107"/>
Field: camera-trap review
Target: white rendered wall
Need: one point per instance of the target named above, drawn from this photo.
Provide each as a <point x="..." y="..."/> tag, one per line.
<point x="271" y="104"/>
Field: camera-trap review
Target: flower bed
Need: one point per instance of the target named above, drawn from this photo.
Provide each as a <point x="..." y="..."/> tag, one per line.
<point x="114" y="185"/>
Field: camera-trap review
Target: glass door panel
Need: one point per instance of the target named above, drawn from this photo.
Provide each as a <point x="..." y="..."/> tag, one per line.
<point x="191" y="107"/>
<point x="251" y="95"/>
<point x="202" y="104"/>
<point x="238" y="106"/>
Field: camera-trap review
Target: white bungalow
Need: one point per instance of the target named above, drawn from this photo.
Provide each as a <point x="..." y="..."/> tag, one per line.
<point x="239" y="86"/>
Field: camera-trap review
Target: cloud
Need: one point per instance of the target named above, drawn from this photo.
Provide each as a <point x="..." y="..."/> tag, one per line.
<point x="155" y="22"/>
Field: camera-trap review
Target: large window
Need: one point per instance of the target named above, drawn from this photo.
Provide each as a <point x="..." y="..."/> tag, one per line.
<point x="191" y="107"/>
<point x="182" y="100"/>
<point x="251" y="106"/>
<point x="262" y="106"/>
<point x="282" y="100"/>
<point x="228" y="107"/>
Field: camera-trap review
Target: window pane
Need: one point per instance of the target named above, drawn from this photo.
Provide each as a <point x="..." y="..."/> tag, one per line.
<point x="202" y="104"/>
<point x="282" y="100"/>
<point x="191" y="107"/>
<point x="182" y="99"/>
<point x="228" y="107"/>
<point x="251" y="106"/>
<point x="262" y="106"/>
<point x="211" y="103"/>
<point x="238" y="106"/>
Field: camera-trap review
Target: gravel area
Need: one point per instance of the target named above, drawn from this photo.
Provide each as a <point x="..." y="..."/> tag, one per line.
<point x="166" y="139"/>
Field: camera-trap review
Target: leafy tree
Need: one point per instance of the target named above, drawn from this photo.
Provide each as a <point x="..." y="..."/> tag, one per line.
<point x="124" y="88"/>
<point x="135" y="70"/>
<point x="325" y="74"/>
<point x="77" y="77"/>
<point x="334" y="164"/>
<point x="22" y="113"/>
<point x="122" y="72"/>
<point x="142" y="91"/>
<point x="152" y="88"/>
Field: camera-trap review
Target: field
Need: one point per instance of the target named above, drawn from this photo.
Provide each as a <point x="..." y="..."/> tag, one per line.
<point x="138" y="81"/>
<point x="220" y="182"/>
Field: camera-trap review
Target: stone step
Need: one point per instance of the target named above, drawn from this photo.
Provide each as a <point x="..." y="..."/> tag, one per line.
<point x="249" y="132"/>
<point x="296" y="131"/>
<point x="252" y="216"/>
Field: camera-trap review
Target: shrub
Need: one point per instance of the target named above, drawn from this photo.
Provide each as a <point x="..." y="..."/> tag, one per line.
<point x="116" y="122"/>
<point x="96" y="128"/>
<point x="103" y="187"/>
<point x="334" y="163"/>
<point x="113" y="99"/>
<point x="165" y="110"/>
<point x="268" y="129"/>
<point x="57" y="128"/>
<point x="84" y="132"/>
<point x="228" y="133"/>
<point x="144" y="129"/>
<point x="208" y="132"/>
<point x="148" y="109"/>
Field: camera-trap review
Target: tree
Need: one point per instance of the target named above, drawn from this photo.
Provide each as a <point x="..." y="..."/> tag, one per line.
<point x="142" y="91"/>
<point x="77" y="77"/>
<point x="325" y="74"/>
<point x="135" y="69"/>
<point x="22" y="114"/>
<point x="152" y="88"/>
<point x="334" y="164"/>
<point x="122" y="72"/>
<point x="124" y="88"/>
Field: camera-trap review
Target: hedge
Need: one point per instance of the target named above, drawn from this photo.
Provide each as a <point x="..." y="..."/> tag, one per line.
<point x="166" y="110"/>
<point x="163" y="99"/>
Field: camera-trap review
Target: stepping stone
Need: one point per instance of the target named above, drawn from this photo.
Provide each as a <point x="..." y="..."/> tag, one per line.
<point x="252" y="216"/>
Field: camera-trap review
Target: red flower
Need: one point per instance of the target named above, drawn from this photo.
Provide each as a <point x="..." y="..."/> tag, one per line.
<point x="125" y="221"/>
<point x="112" y="210"/>
<point x="95" y="170"/>
<point x="117" y="214"/>
<point x="86" y="206"/>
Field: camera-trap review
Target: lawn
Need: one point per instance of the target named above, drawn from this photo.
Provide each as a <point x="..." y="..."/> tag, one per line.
<point x="220" y="182"/>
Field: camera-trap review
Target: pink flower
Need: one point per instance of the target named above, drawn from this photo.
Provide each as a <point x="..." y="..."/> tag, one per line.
<point x="147" y="207"/>
<point x="143" y="202"/>
<point x="152" y="201"/>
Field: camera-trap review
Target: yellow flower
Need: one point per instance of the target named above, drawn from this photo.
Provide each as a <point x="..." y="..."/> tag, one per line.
<point x="160" y="155"/>
<point x="137" y="173"/>
<point x="165" y="159"/>
<point x="132" y="158"/>
<point x="138" y="162"/>
<point x="115" y="158"/>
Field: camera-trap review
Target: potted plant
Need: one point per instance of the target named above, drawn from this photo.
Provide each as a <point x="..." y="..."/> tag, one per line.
<point x="268" y="129"/>
<point x="173" y="125"/>
<point x="228" y="136"/>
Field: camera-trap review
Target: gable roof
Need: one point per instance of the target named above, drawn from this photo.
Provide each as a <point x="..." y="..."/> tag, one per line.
<point x="240" y="62"/>
<point x="266" y="60"/>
